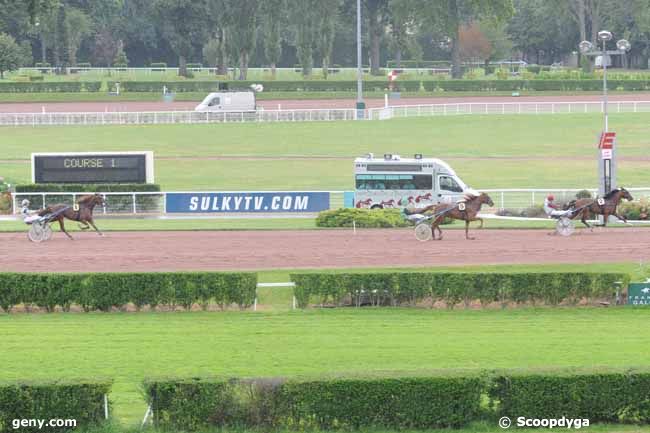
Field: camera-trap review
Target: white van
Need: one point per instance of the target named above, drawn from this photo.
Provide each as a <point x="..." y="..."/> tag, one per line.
<point x="398" y="182"/>
<point x="228" y="101"/>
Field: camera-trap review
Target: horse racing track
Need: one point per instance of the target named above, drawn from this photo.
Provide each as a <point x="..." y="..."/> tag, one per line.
<point x="279" y="249"/>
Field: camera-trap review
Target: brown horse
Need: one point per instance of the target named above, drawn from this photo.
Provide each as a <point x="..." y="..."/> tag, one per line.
<point x="588" y="206"/>
<point x="466" y="210"/>
<point x="83" y="215"/>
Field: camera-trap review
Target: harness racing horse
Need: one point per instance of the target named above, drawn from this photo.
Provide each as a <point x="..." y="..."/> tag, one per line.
<point x="83" y="215"/>
<point x="605" y="206"/>
<point x="465" y="210"/>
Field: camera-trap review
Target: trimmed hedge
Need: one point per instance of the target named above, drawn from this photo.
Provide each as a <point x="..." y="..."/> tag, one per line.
<point x="463" y="85"/>
<point x="104" y="291"/>
<point x="453" y="288"/>
<point x="50" y="87"/>
<point x="598" y="396"/>
<point x="363" y="218"/>
<point x="82" y="401"/>
<point x="338" y="403"/>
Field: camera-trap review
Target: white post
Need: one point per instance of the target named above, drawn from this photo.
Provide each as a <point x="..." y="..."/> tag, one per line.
<point x="135" y="210"/>
<point x="385" y="100"/>
<point x="146" y="416"/>
<point x="354" y="227"/>
<point x="293" y="306"/>
<point x="502" y="206"/>
<point x="255" y="304"/>
<point x="105" y="406"/>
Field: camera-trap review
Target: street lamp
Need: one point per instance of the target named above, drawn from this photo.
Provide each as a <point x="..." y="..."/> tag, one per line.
<point x="606" y="169"/>
<point x="361" y="106"/>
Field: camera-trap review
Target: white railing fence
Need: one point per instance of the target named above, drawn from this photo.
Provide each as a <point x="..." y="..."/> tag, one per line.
<point x="487" y="108"/>
<point x="153" y="203"/>
<point x="166" y="117"/>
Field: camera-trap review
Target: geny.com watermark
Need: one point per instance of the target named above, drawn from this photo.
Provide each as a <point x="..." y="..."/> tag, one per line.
<point x="43" y="423"/>
<point x="564" y="422"/>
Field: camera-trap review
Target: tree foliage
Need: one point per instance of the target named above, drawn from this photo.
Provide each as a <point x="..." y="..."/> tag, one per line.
<point x="10" y="54"/>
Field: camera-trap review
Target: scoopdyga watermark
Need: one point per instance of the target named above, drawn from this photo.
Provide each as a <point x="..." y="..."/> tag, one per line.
<point x="564" y="422"/>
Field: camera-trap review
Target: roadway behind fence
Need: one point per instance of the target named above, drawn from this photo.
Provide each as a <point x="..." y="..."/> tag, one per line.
<point x="153" y="203"/>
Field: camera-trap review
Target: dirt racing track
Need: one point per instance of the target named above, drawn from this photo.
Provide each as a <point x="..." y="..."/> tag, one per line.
<point x="223" y="250"/>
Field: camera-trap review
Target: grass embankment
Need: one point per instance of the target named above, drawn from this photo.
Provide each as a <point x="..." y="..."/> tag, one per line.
<point x="130" y="346"/>
<point x="486" y="151"/>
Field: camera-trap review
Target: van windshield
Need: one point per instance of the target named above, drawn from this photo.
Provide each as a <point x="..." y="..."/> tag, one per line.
<point x="447" y="183"/>
<point x="214" y="101"/>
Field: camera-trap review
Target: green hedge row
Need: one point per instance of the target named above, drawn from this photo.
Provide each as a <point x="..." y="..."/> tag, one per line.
<point x="82" y="401"/>
<point x="454" y="287"/>
<point x="50" y="87"/>
<point x="91" y="188"/>
<point x="363" y="218"/>
<point x="379" y="85"/>
<point x="598" y="396"/>
<point x="104" y="291"/>
<point x="338" y="403"/>
<point x="409" y="402"/>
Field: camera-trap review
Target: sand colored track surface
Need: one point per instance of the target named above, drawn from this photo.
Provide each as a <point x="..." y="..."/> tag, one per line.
<point x="223" y="250"/>
<point x="297" y="104"/>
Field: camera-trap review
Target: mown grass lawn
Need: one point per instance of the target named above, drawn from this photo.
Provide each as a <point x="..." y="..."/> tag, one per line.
<point x="525" y="151"/>
<point x="131" y="346"/>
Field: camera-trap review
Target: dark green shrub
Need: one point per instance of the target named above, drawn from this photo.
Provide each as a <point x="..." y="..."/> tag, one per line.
<point x="455" y="287"/>
<point x="597" y="396"/>
<point x="105" y="291"/>
<point x="363" y="218"/>
<point x="341" y="403"/>
<point x="82" y="401"/>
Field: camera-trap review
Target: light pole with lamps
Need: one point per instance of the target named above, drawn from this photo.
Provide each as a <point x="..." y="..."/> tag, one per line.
<point x="607" y="150"/>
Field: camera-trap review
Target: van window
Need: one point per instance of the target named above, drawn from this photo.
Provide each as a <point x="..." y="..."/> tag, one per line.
<point x="447" y="183"/>
<point x="393" y="181"/>
<point x="214" y="101"/>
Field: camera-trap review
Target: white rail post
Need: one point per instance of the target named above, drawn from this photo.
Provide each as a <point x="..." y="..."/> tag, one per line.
<point x="502" y="201"/>
<point x="44" y="200"/>
<point x="533" y="196"/>
<point x="135" y="209"/>
<point x="164" y="203"/>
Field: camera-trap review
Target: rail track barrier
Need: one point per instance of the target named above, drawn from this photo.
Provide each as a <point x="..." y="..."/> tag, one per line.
<point x="155" y="204"/>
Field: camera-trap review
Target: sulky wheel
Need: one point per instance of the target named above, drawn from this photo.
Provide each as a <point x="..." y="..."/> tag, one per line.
<point x="565" y="226"/>
<point x="47" y="232"/>
<point x="36" y="233"/>
<point x="423" y="232"/>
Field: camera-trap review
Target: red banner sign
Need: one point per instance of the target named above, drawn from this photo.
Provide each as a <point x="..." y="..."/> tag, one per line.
<point x="607" y="140"/>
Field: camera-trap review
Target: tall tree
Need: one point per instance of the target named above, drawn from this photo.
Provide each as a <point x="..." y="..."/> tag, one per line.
<point x="78" y="26"/>
<point x="450" y="15"/>
<point x="10" y="54"/>
<point x="305" y="19"/>
<point x="244" y="17"/>
<point x="181" y="22"/>
<point x="404" y="26"/>
<point x="274" y="19"/>
<point x="327" y="15"/>
<point x="377" y="18"/>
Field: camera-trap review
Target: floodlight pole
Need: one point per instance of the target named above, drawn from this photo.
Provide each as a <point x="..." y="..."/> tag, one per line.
<point x="361" y="106"/>
<point x="606" y="154"/>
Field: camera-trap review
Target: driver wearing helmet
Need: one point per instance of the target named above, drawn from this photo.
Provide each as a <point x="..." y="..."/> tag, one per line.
<point x="552" y="209"/>
<point x="28" y="216"/>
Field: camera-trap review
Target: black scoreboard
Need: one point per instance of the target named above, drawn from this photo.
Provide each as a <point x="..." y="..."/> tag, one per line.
<point x="131" y="167"/>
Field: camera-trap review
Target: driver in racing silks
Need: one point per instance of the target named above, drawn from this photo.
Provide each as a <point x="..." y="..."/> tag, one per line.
<point x="552" y="209"/>
<point x="28" y="216"/>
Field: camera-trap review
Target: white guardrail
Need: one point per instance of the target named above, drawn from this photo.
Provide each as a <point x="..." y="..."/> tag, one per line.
<point x="166" y="117"/>
<point x="315" y="115"/>
<point x="487" y="108"/>
<point x="153" y="203"/>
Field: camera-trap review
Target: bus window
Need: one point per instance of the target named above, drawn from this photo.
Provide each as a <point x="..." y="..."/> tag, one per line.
<point x="447" y="183"/>
<point x="422" y="181"/>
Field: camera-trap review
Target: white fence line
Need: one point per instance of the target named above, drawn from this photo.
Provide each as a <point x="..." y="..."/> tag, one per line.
<point x="153" y="203"/>
<point x="167" y="117"/>
<point x="487" y="108"/>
